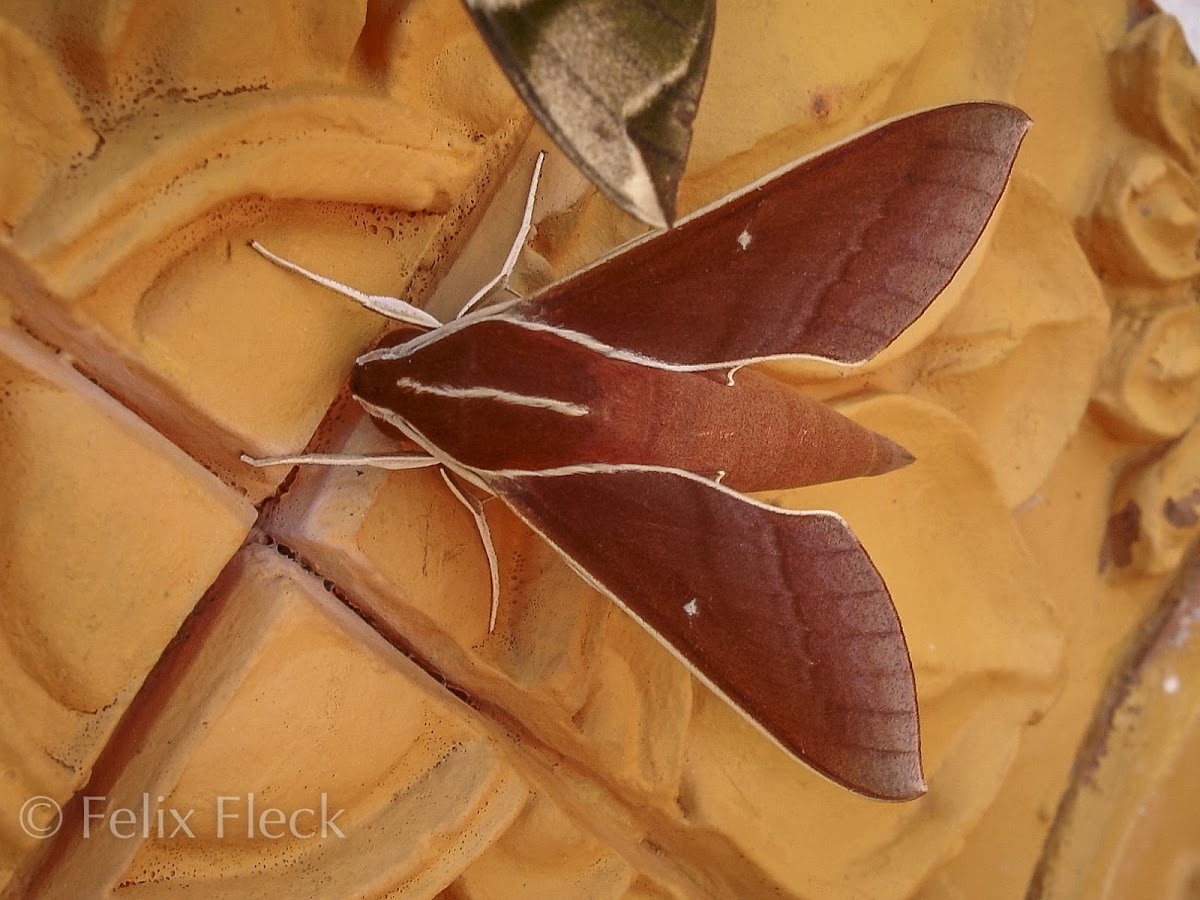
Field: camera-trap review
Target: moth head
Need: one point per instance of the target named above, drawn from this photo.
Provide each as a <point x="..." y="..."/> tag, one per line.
<point x="373" y="380"/>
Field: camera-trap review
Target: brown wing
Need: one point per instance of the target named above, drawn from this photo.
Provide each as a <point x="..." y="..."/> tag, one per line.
<point x="831" y="258"/>
<point x="782" y="613"/>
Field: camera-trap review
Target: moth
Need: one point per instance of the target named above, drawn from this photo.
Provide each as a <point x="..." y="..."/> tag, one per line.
<point x="612" y="412"/>
<point x="615" y="83"/>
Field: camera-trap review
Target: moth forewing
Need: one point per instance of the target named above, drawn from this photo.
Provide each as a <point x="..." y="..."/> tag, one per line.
<point x="847" y="248"/>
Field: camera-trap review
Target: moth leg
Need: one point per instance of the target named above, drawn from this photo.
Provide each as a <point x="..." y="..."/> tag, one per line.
<point x="392" y="307"/>
<point x="475" y="507"/>
<point x="510" y="262"/>
<point x="374" y="461"/>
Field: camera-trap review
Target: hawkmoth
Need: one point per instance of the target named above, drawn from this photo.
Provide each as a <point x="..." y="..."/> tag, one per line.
<point x="612" y="413"/>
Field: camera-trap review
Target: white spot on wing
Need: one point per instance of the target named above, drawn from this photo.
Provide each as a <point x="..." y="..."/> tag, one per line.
<point x="691" y="608"/>
<point x="745" y="238"/>
<point x="1171" y="684"/>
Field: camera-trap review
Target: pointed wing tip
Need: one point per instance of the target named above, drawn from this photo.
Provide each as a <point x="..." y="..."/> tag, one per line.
<point x="1004" y="124"/>
<point x="903" y="458"/>
<point x="655" y="215"/>
<point x="641" y="197"/>
<point x="894" y="787"/>
<point x="888" y="456"/>
<point x="912" y="790"/>
<point x="1009" y="118"/>
<point x="1013" y="113"/>
<point x="662" y="217"/>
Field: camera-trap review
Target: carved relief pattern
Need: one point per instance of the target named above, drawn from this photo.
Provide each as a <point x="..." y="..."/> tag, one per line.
<point x="1118" y="829"/>
<point x="177" y="628"/>
<point x="1144" y="234"/>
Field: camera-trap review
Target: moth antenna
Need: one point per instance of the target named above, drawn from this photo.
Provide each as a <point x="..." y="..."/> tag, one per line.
<point x="510" y="262"/>
<point x="409" y="461"/>
<point x="392" y="307"/>
<point x="475" y="508"/>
